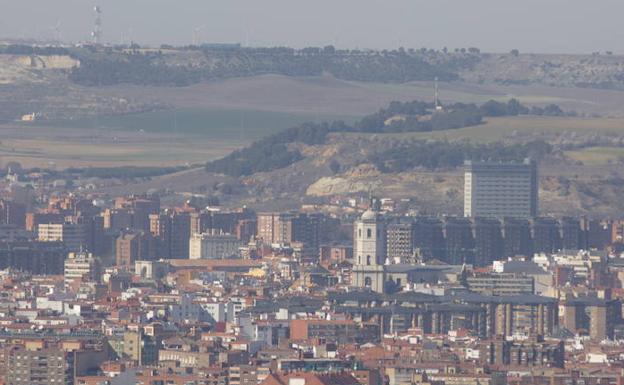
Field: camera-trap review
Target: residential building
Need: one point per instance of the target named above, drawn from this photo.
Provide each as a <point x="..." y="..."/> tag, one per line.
<point x="494" y="189"/>
<point x="213" y="246"/>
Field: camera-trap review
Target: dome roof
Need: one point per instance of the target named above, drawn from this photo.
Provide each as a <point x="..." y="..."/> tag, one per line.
<point x="369" y="215"/>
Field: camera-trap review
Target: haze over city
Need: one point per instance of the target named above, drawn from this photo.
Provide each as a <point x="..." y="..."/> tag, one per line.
<point x="555" y="26"/>
<point x="280" y="192"/>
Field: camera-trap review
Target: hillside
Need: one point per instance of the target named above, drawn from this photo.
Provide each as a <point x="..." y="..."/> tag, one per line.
<point x="567" y="186"/>
<point x="67" y="83"/>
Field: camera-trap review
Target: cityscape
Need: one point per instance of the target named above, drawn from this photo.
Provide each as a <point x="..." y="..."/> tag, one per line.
<point x="130" y="291"/>
<point x="245" y="194"/>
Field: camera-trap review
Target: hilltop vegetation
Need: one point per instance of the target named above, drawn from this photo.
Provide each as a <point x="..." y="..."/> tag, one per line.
<point x="273" y="153"/>
<point x="160" y="68"/>
<point x="182" y="66"/>
<point x="445" y="155"/>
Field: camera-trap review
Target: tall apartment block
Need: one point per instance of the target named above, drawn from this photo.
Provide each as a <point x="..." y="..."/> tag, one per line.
<point x="500" y="190"/>
<point x="400" y="242"/>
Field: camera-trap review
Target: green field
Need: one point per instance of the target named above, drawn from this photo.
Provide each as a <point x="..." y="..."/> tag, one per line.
<point x="597" y="156"/>
<point x="239" y="125"/>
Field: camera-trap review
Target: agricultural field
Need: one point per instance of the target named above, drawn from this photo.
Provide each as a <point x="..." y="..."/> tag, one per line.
<point x="204" y="121"/>
<point x="596" y="156"/>
<point x="238" y="125"/>
<point x="60" y="148"/>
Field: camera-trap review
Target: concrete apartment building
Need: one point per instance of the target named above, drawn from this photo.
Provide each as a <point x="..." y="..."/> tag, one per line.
<point x="500" y="190"/>
<point x="73" y="235"/>
<point x="172" y="230"/>
<point x="133" y="246"/>
<point x="81" y="266"/>
<point x="400" y="242"/>
<point x="213" y="246"/>
<point x="290" y="228"/>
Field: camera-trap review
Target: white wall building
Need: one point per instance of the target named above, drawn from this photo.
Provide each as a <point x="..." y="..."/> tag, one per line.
<point x="213" y="246"/>
<point x="81" y="265"/>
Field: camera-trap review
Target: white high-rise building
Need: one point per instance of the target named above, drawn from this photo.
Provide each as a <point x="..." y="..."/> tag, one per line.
<point x="498" y="190"/>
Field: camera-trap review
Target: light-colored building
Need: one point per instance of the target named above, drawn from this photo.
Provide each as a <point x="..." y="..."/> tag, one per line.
<point x="369" y="248"/>
<point x="73" y="235"/>
<point x="81" y="265"/>
<point x="151" y="269"/>
<point x="213" y="246"/>
<point x="499" y="190"/>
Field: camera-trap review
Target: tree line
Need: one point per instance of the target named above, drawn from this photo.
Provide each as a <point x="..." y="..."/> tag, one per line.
<point x="273" y="152"/>
<point x="445" y="155"/>
<point x="133" y="66"/>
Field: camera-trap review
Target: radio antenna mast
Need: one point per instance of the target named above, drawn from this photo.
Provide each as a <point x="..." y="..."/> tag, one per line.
<point x="96" y="34"/>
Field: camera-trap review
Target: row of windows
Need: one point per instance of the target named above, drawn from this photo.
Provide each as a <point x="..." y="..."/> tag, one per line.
<point x="369" y="233"/>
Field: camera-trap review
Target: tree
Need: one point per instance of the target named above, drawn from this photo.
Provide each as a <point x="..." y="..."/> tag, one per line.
<point x="514" y="107"/>
<point x="329" y="50"/>
<point x="334" y="166"/>
<point x="514" y="52"/>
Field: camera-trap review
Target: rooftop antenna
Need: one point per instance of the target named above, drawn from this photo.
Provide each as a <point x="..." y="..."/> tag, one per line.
<point x="246" y="41"/>
<point x="57" y="32"/>
<point x="96" y="35"/>
<point x="196" y="34"/>
<point x="437" y="105"/>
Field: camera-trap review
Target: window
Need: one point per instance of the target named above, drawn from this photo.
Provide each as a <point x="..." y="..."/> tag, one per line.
<point x="368" y="259"/>
<point x="368" y="282"/>
<point x="369" y="233"/>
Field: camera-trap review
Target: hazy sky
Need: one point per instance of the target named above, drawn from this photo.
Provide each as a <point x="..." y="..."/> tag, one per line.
<point x="493" y="25"/>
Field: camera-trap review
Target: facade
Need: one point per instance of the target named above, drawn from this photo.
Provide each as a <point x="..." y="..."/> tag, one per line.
<point x="546" y="235"/>
<point x="213" y="246"/>
<point x="594" y="316"/>
<point x="459" y="241"/>
<point x="73" y="235"/>
<point x="400" y="241"/>
<point x="132" y="246"/>
<point x="267" y="226"/>
<point x="486" y="316"/>
<point x="81" y="265"/>
<point x="370" y="251"/>
<point x="12" y="213"/>
<point x="517" y="237"/>
<point x="429" y="239"/>
<point x="172" y="230"/>
<point x="33" y="257"/>
<point x="533" y="352"/>
<point x="342" y="332"/>
<point x="488" y="241"/>
<point x="291" y="228"/>
<point x="501" y="284"/>
<point x="35" y="367"/>
<point x="500" y="189"/>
